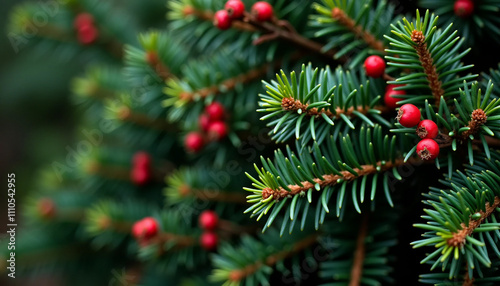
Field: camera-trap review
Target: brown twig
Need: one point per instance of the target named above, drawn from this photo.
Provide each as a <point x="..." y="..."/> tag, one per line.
<point x="350" y="24"/>
<point x="478" y="118"/>
<point x="290" y="104"/>
<point x="154" y="62"/>
<point x="459" y="238"/>
<point x="425" y="58"/>
<point x="240" y="274"/>
<point x="359" y="254"/>
<point x="328" y="180"/>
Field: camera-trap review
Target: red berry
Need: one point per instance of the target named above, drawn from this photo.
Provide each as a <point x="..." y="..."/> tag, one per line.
<point x="140" y="175"/>
<point x="427" y="129"/>
<point x="222" y="20"/>
<point x="204" y="122"/>
<point x="208" y="220"/>
<point x="235" y="8"/>
<point x="262" y="11"/>
<point x="463" y="8"/>
<point x="374" y="66"/>
<point x="428" y="149"/>
<point x="408" y="115"/>
<point x="46" y="208"/>
<point x="141" y="159"/>
<point x="83" y="20"/>
<point x="87" y="34"/>
<point x="391" y="101"/>
<point x="145" y="228"/>
<point x="217" y="130"/>
<point x="194" y="142"/>
<point x="209" y="240"/>
<point x="215" y="111"/>
<point x="392" y="86"/>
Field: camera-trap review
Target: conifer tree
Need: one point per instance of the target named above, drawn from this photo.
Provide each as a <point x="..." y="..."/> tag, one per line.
<point x="271" y="143"/>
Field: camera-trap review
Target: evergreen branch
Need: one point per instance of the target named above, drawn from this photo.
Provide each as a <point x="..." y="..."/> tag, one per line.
<point x="427" y="63"/>
<point x="340" y="16"/>
<point x="333" y="101"/>
<point x="158" y="66"/>
<point x="328" y="180"/>
<point x="435" y="56"/>
<point x="237" y="275"/>
<point x="208" y="16"/>
<point x="459" y="238"/>
<point x="359" y="254"/>
<point x="355" y="28"/>
<point x="328" y="168"/>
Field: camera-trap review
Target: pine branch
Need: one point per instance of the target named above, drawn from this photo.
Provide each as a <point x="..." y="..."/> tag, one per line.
<point x="158" y="66"/>
<point x="459" y="238"/>
<point x="359" y="254"/>
<point x="328" y="180"/>
<point x="125" y="114"/>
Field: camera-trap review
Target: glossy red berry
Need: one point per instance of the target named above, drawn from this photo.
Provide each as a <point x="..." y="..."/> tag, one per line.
<point x="235" y="8"/>
<point x="262" y="11"/>
<point x="82" y="20"/>
<point x="215" y="111"/>
<point x="427" y="149"/>
<point x="87" y="34"/>
<point x="209" y="240"/>
<point x="427" y="129"/>
<point x="374" y="66"/>
<point x="217" y="130"/>
<point x="389" y="100"/>
<point x="222" y="20"/>
<point x="408" y="115"/>
<point x="194" y="142"/>
<point x="141" y="159"/>
<point x="46" y="208"/>
<point x="140" y="176"/>
<point x="463" y="8"/>
<point x="204" y="122"/>
<point x="208" y="220"/>
<point x="145" y="228"/>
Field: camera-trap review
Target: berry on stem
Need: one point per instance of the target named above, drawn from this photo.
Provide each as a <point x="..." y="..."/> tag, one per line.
<point x="428" y="149"/>
<point x="463" y="8"/>
<point x="427" y="129"/>
<point x="389" y="100"/>
<point x="209" y="240"/>
<point x="208" y="220"/>
<point x="235" y="8"/>
<point x="222" y="20"/>
<point x="217" y="130"/>
<point x="408" y="115"/>
<point x="215" y="111"/>
<point x="83" y="20"/>
<point x="262" y="11"/>
<point x="87" y="34"/>
<point x="374" y="66"/>
<point x="145" y="228"/>
<point x="194" y="142"/>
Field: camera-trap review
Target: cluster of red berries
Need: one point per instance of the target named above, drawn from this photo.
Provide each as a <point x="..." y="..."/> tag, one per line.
<point x="212" y="125"/>
<point x="409" y="116"/>
<point x="235" y="9"/>
<point x="463" y="8"/>
<point x="208" y="221"/>
<point x="86" y="30"/>
<point x="141" y="173"/>
<point x="145" y="229"/>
